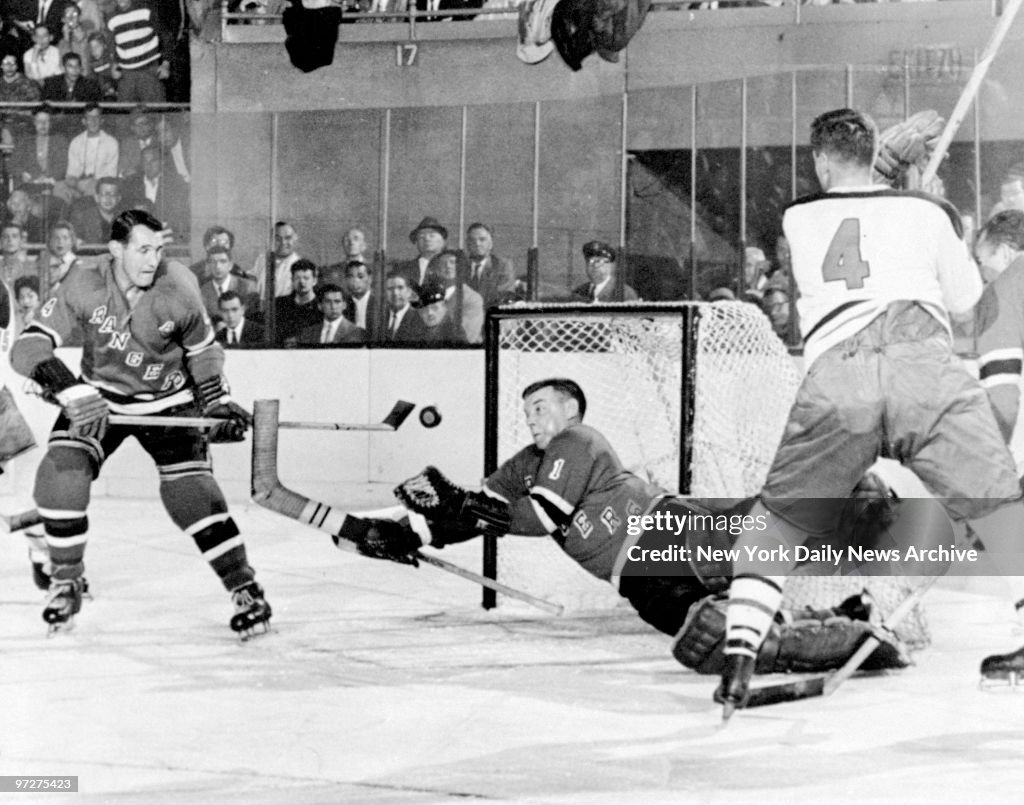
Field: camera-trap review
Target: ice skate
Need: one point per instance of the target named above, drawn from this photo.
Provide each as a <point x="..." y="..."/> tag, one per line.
<point x="1003" y="669"/>
<point x="252" y="612"/>
<point x="63" y="603"/>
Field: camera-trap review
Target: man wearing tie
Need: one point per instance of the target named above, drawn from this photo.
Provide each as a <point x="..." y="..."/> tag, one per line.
<point x="600" y="259"/>
<point x="404" y="326"/>
<point x="220" y="281"/>
<point x="334" y="328"/>
<point x="490" y="276"/>
<point x="237" y="330"/>
<point x="361" y="307"/>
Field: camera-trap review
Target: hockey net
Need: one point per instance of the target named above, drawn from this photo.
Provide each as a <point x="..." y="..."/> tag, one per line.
<point x="692" y="396"/>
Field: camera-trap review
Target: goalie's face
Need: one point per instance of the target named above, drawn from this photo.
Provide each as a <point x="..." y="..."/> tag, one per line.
<point x="548" y="413"/>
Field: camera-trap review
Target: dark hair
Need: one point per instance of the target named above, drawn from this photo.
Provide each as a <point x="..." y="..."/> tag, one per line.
<point x="89" y="107"/>
<point x="26" y="282"/>
<point x="113" y="181"/>
<point x="218" y="249"/>
<point x="227" y="296"/>
<point x="302" y="264"/>
<point x="564" y="387"/>
<point x="461" y="264"/>
<point x="61" y="224"/>
<point x="354" y="264"/>
<point x="215" y="230"/>
<point x="69" y="56"/>
<point x="395" y="274"/>
<point x="327" y="288"/>
<point x="1004" y="227"/>
<point x="846" y="134"/>
<point x="479" y="225"/>
<point x="121" y="228"/>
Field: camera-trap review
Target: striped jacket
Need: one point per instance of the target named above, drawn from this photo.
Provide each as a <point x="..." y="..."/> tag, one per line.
<point x="137" y="40"/>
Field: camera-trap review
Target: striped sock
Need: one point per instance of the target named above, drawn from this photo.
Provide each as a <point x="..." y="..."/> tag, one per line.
<point x="753" y="602"/>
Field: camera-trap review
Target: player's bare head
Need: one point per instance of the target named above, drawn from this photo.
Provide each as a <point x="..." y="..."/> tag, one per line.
<point x="552" y="405"/>
<point x="845" y="135"/>
<point x="1000" y="242"/>
<point x="137" y="243"/>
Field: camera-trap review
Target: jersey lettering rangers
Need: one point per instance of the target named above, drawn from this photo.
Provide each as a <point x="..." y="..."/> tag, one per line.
<point x="576" y="490"/>
<point x="852" y="258"/>
<point x="141" y="359"/>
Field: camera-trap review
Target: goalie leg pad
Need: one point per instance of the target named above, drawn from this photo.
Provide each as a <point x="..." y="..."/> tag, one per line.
<point x="821" y="642"/>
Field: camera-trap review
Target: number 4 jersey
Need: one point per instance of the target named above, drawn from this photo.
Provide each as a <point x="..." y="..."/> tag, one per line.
<point x="857" y="250"/>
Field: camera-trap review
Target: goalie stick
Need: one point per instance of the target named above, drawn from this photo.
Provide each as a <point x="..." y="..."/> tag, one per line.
<point x="827" y="684"/>
<point x="270" y="493"/>
<point x="393" y="421"/>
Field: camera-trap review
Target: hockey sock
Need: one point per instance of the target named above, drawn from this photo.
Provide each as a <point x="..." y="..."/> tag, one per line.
<point x="62" y="496"/>
<point x="753" y="602"/>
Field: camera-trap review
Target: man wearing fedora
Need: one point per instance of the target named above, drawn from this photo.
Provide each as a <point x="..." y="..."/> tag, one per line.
<point x="601" y="266"/>
<point x="429" y="238"/>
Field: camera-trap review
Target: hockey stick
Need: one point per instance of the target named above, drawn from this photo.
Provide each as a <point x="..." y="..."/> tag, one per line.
<point x="270" y="493"/>
<point x="393" y="421"/>
<point x="970" y="91"/>
<point x="21" y="520"/>
<point x="827" y="684"/>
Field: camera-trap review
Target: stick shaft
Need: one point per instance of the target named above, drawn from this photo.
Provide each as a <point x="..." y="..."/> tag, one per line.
<point x="970" y="90"/>
<point x="498" y="587"/>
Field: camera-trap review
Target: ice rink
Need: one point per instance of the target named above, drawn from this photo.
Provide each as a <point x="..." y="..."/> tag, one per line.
<point x="387" y="684"/>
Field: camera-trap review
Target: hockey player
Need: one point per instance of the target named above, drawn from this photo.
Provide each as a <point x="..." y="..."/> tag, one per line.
<point x="148" y="349"/>
<point x="571" y="485"/>
<point x="877" y="270"/>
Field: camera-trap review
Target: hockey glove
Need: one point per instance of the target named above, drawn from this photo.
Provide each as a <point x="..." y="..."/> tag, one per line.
<point x="216" y="400"/>
<point x="445" y="503"/>
<point x="86" y="411"/>
<point x="907" y="144"/>
<point x="381" y="539"/>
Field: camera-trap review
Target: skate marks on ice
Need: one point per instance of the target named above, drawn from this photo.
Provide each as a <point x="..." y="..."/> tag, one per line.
<point x="382" y="684"/>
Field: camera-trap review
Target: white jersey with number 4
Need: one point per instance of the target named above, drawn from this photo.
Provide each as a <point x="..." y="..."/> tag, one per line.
<point x="858" y="249"/>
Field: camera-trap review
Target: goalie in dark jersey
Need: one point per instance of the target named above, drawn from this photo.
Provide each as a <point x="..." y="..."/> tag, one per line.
<point x="148" y="349"/>
<point x="571" y="485"/>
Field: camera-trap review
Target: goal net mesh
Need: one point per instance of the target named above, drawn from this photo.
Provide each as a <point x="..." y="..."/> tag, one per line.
<point x="647" y="371"/>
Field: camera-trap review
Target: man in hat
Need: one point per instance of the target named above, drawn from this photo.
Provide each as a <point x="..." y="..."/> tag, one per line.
<point x="601" y="266"/>
<point x="439" y="326"/>
<point x="429" y="238"/>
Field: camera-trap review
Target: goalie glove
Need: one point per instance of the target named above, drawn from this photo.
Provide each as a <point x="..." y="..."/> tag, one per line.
<point x="215" y="399"/>
<point x="907" y="144"/>
<point x="381" y="539"/>
<point x="452" y="507"/>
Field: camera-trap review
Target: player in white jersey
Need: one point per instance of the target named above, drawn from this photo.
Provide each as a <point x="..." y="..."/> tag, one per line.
<point x="877" y="270"/>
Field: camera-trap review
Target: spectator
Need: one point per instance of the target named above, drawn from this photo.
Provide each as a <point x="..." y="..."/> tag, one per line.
<point x="360" y="307"/>
<point x="174" y="150"/>
<point x="102" y="66"/>
<point x="26" y="300"/>
<point x="92" y="18"/>
<point x="404" y="325"/>
<point x="59" y="255"/>
<point x="220" y="281"/>
<point x="449" y="270"/>
<point x="755" y="271"/>
<point x="53" y="17"/>
<point x="141" y="51"/>
<point x="298" y="310"/>
<point x="286" y="240"/>
<point x="429" y="238"/>
<point x="162" y="188"/>
<point x="333" y="327"/>
<point x="15" y="261"/>
<point x="75" y="36"/>
<point x="354" y="244"/>
<point x="91" y="154"/>
<point x="43" y="157"/>
<point x="217" y="235"/>
<point x="42" y="60"/>
<point x="721" y="294"/>
<point x="1000" y="243"/>
<point x="14" y="86"/>
<point x="777" y="307"/>
<point x="237" y="329"/>
<point x="783" y="259"/>
<point x="19" y="211"/>
<point x="71" y="85"/>
<point x="601" y="270"/>
<point x="1011" y="191"/>
<point x="131" y="147"/>
<point x="92" y="217"/>
<point x="493" y="277"/>
<point x="439" y="328"/>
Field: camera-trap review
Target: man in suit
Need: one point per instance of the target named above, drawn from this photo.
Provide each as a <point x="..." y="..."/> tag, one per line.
<point x="237" y="330"/>
<point x="449" y="270"/>
<point x="43" y="157"/>
<point x="490" y="276"/>
<point x="361" y="306"/>
<point x="161" y="187"/>
<point x="354" y="244"/>
<point x="600" y="259"/>
<point x="71" y="85"/>
<point x="92" y="217"/>
<point x="429" y="238"/>
<point x="220" y="281"/>
<point x="403" y="324"/>
<point x="333" y="328"/>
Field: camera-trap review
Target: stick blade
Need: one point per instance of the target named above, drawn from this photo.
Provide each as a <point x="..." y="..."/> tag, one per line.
<point x="399" y="414"/>
<point x="787" y="692"/>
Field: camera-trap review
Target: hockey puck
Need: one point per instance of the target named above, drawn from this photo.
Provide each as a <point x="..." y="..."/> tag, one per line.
<point x="430" y="417"/>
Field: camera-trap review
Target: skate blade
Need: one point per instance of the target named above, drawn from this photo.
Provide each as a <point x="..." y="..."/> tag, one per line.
<point x="1013" y="682"/>
<point x="259" y="630"/>
<point x="60" y="628"/>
